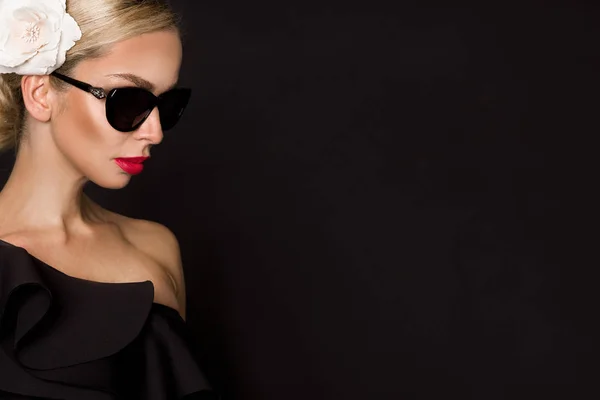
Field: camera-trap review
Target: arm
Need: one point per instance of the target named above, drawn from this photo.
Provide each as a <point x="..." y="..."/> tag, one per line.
<point x="172" y="263"/>
<point x="161" y="244"/>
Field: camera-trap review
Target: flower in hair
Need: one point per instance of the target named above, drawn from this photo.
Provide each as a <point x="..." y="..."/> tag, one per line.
<point x="35" y="36"/>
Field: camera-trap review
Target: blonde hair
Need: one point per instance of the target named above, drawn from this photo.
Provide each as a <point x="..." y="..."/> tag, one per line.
<point x="103" y="23"/>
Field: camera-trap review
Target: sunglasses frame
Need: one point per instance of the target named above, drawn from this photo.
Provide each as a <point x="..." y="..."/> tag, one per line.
<point x="101" y="94"/>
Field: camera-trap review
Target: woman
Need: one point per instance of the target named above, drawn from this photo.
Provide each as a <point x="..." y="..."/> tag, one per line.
<point x="92" y="303"/>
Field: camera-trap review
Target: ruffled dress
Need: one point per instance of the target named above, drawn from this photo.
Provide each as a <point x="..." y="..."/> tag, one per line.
<point x="69" y="338"/>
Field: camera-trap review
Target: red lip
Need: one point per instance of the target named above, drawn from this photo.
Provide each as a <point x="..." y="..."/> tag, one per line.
<point x="131" y="165"/>
<point x="135" y="160"/>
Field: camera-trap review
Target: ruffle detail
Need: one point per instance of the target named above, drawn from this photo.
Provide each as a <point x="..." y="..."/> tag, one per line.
<point x="63" y="337"/>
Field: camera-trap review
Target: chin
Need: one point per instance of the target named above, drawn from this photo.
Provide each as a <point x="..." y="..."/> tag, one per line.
<point x="115" y="182"/>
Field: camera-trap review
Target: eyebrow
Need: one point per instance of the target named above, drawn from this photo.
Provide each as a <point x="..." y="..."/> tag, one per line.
<point x="138" y="81"/>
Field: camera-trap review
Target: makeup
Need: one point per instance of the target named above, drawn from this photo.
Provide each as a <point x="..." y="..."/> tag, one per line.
<point x="131" y="165"/>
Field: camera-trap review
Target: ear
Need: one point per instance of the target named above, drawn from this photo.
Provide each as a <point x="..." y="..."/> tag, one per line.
<point x="37" y="96"/>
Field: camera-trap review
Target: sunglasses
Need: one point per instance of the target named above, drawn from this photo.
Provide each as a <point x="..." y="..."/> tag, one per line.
<point x="128" y="107"/>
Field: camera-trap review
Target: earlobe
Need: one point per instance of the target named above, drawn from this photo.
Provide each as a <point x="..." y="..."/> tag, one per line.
<point x="36" y="96"/>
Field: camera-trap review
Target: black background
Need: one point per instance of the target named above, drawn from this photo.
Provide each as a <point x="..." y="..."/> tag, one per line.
<point x="385" y="201"/>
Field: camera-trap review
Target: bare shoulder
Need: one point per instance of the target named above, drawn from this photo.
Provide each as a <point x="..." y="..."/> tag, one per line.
<point x="160" y="243"/>
<point x="152" y="237"/>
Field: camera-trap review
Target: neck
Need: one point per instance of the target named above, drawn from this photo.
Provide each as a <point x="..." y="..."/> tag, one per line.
<point x="43" y="193"/>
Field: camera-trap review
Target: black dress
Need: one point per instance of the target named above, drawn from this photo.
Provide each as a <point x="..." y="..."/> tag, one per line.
<point x="68" y="338"/>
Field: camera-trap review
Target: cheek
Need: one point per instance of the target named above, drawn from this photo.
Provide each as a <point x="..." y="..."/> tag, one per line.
<point x="82" y="131"/>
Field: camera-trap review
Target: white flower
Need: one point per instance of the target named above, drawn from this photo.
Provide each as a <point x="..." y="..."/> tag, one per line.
<point x="35" y="36"/>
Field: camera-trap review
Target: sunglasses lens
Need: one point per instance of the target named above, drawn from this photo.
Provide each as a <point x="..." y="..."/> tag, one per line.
<point x="128" y="108"/>
<point x="172" y="105"/>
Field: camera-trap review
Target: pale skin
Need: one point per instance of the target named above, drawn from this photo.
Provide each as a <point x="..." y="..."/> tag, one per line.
<point x="42" y="206"/>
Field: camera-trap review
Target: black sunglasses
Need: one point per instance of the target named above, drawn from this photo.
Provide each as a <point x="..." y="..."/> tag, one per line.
<point x="128" y="107"/>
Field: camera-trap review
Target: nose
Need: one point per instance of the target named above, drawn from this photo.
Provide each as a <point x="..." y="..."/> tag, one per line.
<point x="151" y="129"/>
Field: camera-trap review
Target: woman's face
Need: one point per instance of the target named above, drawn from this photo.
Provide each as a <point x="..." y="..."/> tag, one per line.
<point x="81" y="131"/>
